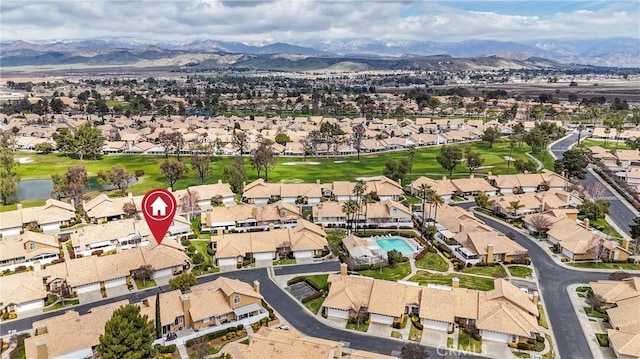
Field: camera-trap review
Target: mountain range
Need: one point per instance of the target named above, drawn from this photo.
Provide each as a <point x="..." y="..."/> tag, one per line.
<point x="613" y="52"/>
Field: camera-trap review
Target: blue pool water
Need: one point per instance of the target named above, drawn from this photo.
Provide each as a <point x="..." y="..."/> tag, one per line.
<point x="395" y="243"/>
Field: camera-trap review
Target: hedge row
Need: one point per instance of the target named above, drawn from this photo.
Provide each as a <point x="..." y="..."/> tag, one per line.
<point x="303" y="279"/>
<point x="214" y="335"/>
<point x="166" y="349"/>
<point x="312" y="296"/>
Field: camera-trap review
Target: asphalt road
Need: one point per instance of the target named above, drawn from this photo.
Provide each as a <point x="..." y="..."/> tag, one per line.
<point x="620" y="213"/>
<point x="298" y="316"/>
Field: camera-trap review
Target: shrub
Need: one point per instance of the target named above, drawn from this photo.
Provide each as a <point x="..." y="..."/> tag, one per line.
<point x="167" y="349"/>
<point x="311" y="297"/>
<point x="210" y="251"/>
<point x="525" y="346"/>
<point x="13" y="316"/>
<point x="139" y="173"/>
<point x="5" y="316"/>
<point x="538" y="346"/>
<point x="97" y="252"/>
<point x="539" y="338"/>
<point x="21" y="268"/>
<point x="531" y="341"/>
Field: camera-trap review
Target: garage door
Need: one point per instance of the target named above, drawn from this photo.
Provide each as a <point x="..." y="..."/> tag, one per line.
<point x="115" y="282"/>
<point x="167" y="272"/>
<point x="338" y="313"/>
<point x="567" y="253"/>
<point x="495" y="336"/>
<point x="227" y="262"/>
<point x="33" y="305"/>
<point x="382" y="319"/>
<point x="266" y="256"/>
<point x="51" y="227"/>
<point x="434" y="324"/>
<point x="11" y="232"/>
<point x="88" y="288"/>
<point x="303" y="254"/>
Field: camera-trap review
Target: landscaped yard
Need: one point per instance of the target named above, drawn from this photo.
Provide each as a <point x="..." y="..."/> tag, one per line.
<point x="363" y="327"/>
<point x="611" y="144"/>
<point x="147" y="283"/>
<point x="582" y="291"/>
<point x="67" y="303"/>
<point x="398" y="272"/>
<point x="604" y="226"/>
<point x="603" y="339"/>
<point x="284" y="261"/>
<point x="550" y="354"/>
<point x="602" y="265"/>
<point x="595" y="314"/>
<point x="522" y="355"/>
<point x="520" y="271"/>
<point x="545" y="158"/>
<point x="466" y="342"/>
<point x="25" y="204"/>
<point x="415" y="334"/>
<point x="466" y="281"/>
<point x="314" y="305"/>
<point x="319" y="280"/>
<point x="432" y="261"/>
<point x="490" y="271"/>
<point x="396" y="335"/>
<point x="542" y="320"/>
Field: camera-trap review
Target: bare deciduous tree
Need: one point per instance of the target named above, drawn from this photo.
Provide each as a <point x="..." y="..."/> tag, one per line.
<point x="596" y="248"/>
<point x="596" y="190"/>
<point x="540" y="223"/>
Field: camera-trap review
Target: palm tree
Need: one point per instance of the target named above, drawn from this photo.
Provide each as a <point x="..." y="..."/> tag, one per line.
<point x="436" y="200"/>
<point x="423" y="192"/>
<point x="358" y="190"/>
<point x="607" y="131"/>
<point x="512" y="144"/>
<point x="515" y="206"/>
<point x="349" y="208"/>
<point x="366" y="200"/>
<point x="580" y="129"/>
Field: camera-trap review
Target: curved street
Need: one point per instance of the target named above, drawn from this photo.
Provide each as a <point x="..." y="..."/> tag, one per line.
<point x="620" y="213"/>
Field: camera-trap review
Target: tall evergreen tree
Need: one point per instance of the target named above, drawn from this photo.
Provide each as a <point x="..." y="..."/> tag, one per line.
<point x="127" y="335"/>
<point x="158" y="318"/>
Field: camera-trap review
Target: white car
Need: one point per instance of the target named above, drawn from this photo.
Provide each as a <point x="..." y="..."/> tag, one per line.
<point x="283" y="327"/>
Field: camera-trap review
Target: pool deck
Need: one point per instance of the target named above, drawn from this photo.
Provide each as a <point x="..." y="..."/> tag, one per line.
<point x="375" y="247"/>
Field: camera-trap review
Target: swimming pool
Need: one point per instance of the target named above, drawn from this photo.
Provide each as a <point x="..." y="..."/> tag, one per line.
<point x="397" y="243"/>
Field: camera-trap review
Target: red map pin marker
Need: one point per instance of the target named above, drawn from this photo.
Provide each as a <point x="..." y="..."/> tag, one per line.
<point x="159" y="207"/>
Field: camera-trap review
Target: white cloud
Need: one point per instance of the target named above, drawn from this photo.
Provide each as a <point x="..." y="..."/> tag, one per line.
<point x="285" y="20"/>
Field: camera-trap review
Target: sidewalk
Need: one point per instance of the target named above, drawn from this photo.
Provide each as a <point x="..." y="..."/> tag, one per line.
<point x="597" y="351"/>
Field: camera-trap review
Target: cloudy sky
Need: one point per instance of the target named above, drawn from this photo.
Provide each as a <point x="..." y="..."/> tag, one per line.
<point x="290" y="20"/>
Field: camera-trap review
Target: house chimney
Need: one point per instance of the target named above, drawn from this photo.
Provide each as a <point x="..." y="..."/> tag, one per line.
<point x="41" y="350"/>
<point x="343" y="268"/>
<point x="19" y="206"/>
<point x="586" y="223"/>
<point x="490" y="173"/>
<point x="186" y="306"/>
<point x="244" y="184"/>
<point x="130" y="195"/>
<point x="535" y="297"/>
<point x="219" y="181"/>
<point x="220" y="231"/>
<point x="256" y="286"/>
<point x="444" y="178"/>
<point x="625" y="244"/>
<point x="271" y="227"/>
<point x="562" y="174"/>
<point x="471" y="176"/>
<point x="490" y="253"/>
<point x="73" y="203"/>
<point x="169" y="189"/>
<point x="455" y="282"/>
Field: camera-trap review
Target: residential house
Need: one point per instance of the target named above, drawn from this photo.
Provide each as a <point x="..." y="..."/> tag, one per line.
<point x="504" y="314"/>
<point x="127" y="233"/>
<point x="207" y="194"/>
<point x="384" y="214"/>
<point x="581" y="242"/>
<point x="29" y="249"/>
<point x="51" y="339"/>
<point x="22" y="292"/>
<point x="49" y="218"/>
<point x="625" y="157"/>
<point x="533" y="202"/>
<point x="528" y="182"/>
<point x="604" y="156"/>
<point x="261" y="193"/>
<point x="171" y="310"/>
<point x="250" y="217"/>
<point x="103" y="208"/>
<point x="303" y="242"/>
<point x="488" y="247"/>
<point x="221" y="301"/>
<point x="623" y="300"/>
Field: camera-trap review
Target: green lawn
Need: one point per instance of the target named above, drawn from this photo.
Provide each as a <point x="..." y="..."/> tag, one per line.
<point x="319" y="279"/>
<point x="520" y="271"/>
<point x="545" y="158"/>
<point x="147" y="284"/>
<point x="201" y="246"/>
<point x="314" y="305"/>
<point x="466" y="281"/>
<point x="415" y="334"/>
<point x="583" y="289"/>
<point x="603" y="339"/>
<point x="604" y="226"/>
<point x="396" y="335"/>
<point x="601" y="265"/>
<point x="432" y="261"/>
<point x="363" y="327"/>
<point x="67" y="303"/>
<point x="550" y="354"/>
<point x="323" y="169"/>
<point x="542" y="320"/>
<point x="389" y="273"/>
<point x="467" y="343"/>
<point x="335" y="236"/>
<point x="594" y="313"/>
<point x="611" y="144"/>
<point x="490" y="271"/>
<point x="25" y="204"/>
<point x="284" y="261"/>
<point x="522" y="355"/>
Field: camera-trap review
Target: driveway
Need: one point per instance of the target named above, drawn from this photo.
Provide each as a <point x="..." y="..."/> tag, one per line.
<point x="91" y="296"/>
<point x="117" y="291"/>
